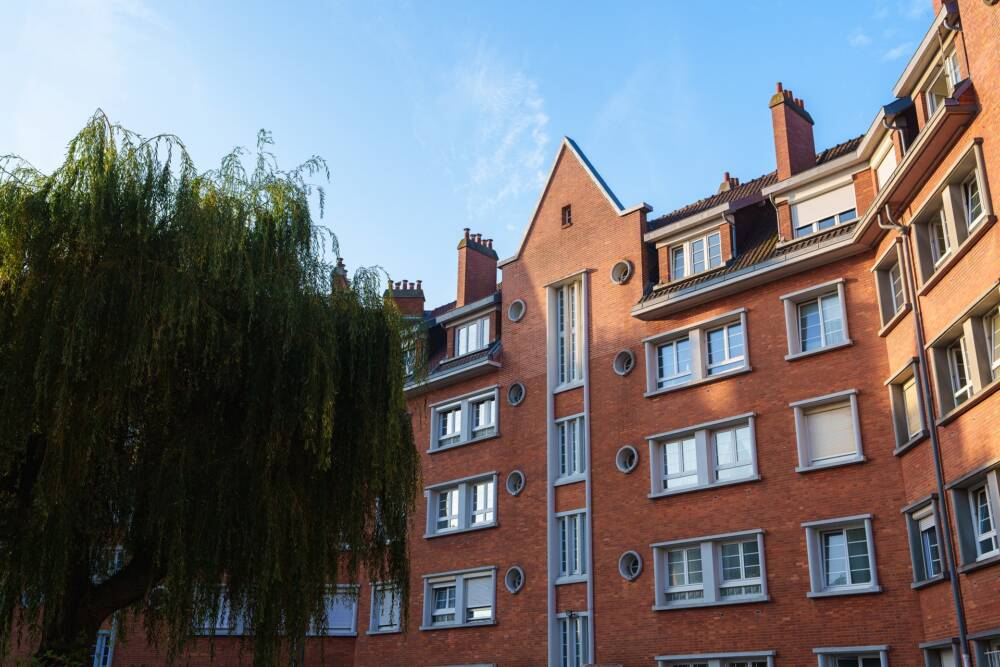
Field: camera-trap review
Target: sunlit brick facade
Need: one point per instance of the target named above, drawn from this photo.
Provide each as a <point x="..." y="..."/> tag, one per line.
<point x="760" y="430"/>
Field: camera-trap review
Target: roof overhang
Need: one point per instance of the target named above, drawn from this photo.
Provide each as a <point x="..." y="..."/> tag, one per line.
<point x="922" y="58"/>
<point x="830" y="168"/>
<point x="690" y="222"/>
<point x="487" y="302"/>
<point x="448" y="378"/>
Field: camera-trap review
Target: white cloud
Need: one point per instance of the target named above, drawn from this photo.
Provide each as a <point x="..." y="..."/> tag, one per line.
<point x="897" y="52"/>
<point x="859" y="38"/>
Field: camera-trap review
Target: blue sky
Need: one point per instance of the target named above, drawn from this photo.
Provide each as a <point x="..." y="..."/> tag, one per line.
<point x="435" y="116"/>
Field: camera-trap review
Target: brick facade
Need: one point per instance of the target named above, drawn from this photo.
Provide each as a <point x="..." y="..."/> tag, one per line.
<point x="894" y="622"/>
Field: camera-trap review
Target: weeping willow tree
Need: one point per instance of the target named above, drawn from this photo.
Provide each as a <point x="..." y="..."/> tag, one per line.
<point x="187" y="386"/>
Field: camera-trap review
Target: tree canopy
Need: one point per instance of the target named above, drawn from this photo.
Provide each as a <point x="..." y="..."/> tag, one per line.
<point x="183" y="379"/>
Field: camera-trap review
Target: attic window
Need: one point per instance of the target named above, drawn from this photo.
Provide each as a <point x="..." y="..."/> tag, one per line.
<point x="567" y="216"/>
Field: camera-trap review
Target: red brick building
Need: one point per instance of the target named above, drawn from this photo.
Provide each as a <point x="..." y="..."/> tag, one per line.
<point x="760" y="430"/>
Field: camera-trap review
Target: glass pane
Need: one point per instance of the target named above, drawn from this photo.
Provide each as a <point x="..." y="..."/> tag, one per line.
<point x="716" y="346"/>
<point x="694" y="565"/>
<point x="835" y="559"/>
<point x="714" y="250"/>
<point x="677" y="263"/>
<point x="810" y="335"/>
<point x="697" y="256"/>
<point x="833" y="325"/>
<point x="826" y="223"/>
<point x="857" y="549"/>
<point x="735" y="333"/>
<point x="725" y="447"/>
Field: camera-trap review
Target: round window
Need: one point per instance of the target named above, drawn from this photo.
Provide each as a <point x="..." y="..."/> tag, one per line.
<point x="515" y="311"/>
<point x="515" y="482"/>
<point x="515" y="394"/>
<point x="627" y="458"/>
<point x="624" y="362"/>
<point x="621" y="272"/>
<point x="630" y="565"/>
<point x="514" y="579"/>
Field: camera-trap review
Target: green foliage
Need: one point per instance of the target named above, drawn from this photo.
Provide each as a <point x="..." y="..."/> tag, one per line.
<point x="178" y="376"/>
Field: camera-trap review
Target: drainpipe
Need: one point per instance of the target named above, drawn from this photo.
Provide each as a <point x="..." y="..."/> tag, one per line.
<point x="930" y="417"/>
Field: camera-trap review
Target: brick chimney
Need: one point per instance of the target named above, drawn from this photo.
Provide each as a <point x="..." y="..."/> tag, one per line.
<point x="409" y="297"/>
<point x="793" y="134"/>
<point x="477" y="268"/>
<point x="728" y="183"/>
<point x="339" y="275"/>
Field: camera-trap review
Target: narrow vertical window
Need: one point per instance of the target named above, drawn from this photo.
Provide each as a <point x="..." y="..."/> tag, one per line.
<point x="984" y="523"/>
<point x="896" y="288"/>
<point x="930" y="553"/>
<point x="571" y="541"/>
<point x="447" y="509"/>
<point x="574" y="644"/>
<point x="572" y="457"/>
<point x="677" y="263"/>
<point x="449" y="426"/>
<point x="958" y="368"/>
<point x="973" y="200"/>
<point x="992" y="324"/>
<point x="911" y="407"/>
<point x="484" y="417"/>
<point x="568" y="333"/>
<point x="567" y="216"/>
<point x="940" y="245"/>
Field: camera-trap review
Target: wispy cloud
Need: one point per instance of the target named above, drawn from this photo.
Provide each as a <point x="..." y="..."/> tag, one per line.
<point x="859" y="38"/>
<point x="897" y="52"/>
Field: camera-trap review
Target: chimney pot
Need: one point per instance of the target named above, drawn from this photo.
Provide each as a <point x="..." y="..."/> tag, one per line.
<point x="778" y="87"/>
<point x="466" y="233"/>
<point x="419" y="283"/>
<point x="725" y="175"/>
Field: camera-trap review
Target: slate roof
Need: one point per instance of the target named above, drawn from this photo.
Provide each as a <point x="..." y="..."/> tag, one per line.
<point x="749" y="190"/>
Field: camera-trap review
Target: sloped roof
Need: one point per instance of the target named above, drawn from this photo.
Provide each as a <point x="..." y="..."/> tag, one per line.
<point x="750" y="190"/>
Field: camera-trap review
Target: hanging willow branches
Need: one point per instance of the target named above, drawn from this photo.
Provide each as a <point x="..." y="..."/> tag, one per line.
<point x="181" y="378"/>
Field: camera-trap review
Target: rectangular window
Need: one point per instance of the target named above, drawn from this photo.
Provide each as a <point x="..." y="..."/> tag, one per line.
<point x="911" y="408"/>
<point x="853" y="660"/>
<point x="939" y="244"/>
<point x="827" y="430"/>
<point x="463" y="504"/>
<point x="385" y="608"/>
<point x="841" y="556"/>
<point x="695" y="256"/>
<point x="572" y="447"/>
<point x="720" y="452"/>
<point x="673" y="361"/>
<point x="823" y="211"/>
<point x="992" y="324"/>
<point x="721" y="569"/>
<point x="815" y="319"/>
<point x="739" y="659"/>
<point x="930" y="552"/>
<point x="976" y="499"/>
<point x="567" y="216"/>
<point x="806" y="228"/>
<point x="464" y="419"/>
<point x="896" y="288"/>
<point x="984" y="525"/>
<point x="103" y="649"/>
<point x="698" y="353"/>
<point x="339" y="613"/>
<point x="725" y="348"/>
<point x="972" y="200"/>
<point x="568" y="333"/>
<point x="459" y="599"/>
<point x="472" y="336"/>
<point x="574" y="640"/>
<point x="907" y="411"/>
<point x="572" y="538"/>
<point x="958" y="367"/>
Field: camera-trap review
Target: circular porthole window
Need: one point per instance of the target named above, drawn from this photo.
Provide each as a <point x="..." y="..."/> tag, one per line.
<point x="515" y="311"/>
<point x="630" y="565"/>
<point x="627" y="459"/>
<point x="515" y="394"/>
<point x="514" y="579"/>
<point x="624" y="362"/>
<point x="515" y="482"/>
<point x="621" y="272"/>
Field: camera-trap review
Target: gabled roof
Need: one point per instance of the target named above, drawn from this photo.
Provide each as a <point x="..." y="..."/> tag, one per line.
<point x="570" y="145"/>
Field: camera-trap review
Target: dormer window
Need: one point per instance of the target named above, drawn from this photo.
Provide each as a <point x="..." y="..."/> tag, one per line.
<point x="695" y="256"/>
<point x="472" y="336"/>
<point x="826" y="206"/>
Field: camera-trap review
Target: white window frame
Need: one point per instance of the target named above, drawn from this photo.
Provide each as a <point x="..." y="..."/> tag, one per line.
<point x="814" y="549"/>
<point x="573" y="639"/>
<point x="725" y="659"/>
<point x="712" y="583"/>
<point x="940" y="243"/>
<point x="576" y="452"/>
<point x="468" y="432"/>
<point x="567" y="327"/>
<point x="827" y="657"/>
<point x="572" y="546"/>
<point x="104" y="648"/>
<point x="991" y="324"/>
<point x="980" y="496"/>
<point x="224" y="623"/>
<point x="804" y="446"/>
<point x="332" y="593"/>
<point x="792" y="305"/>
<point x="464" y="492"/>
<point x="967" y="196"/>
<point x="687" y="248"/>
<point x="380" y="591"/>
<point x="696" y="335"/>
<point x="892" y="291"/>
<point x="729" y="357"/>
<point x="474" y="333"/>
<point x="841" y="218"/>
<point x="958" y="366"/>
<point x="901" y="412"/>
<point x="920" y="517"/>
<point x="458" y="579"/>
<point x="708" y="467"/>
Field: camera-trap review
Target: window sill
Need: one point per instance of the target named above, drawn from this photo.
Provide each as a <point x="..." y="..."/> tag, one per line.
<point x="698" y="383"/>
<point x="911" y="443"/>
<point x="384" y="632"/>
<point x="839" y="592"/>
<point x="575" y="579"/>
<point x="570" y="386"/>
<point x="472" y="441"/>
<point x="459" y="531"/>
<point x="713" y="603"/>
<point x="706" y="487"/>
<point x="955" y="413"/>
<point x="322" y="635"/>
<point x="936" y="579"/>
<point x="895" y="319"/>
<point x="457" y="626"/>
<point x="948" y="264"/>
<point x="795" y="356"/>
<point x="573" y="479"/>
<point x="834" y="464"/>
<point x="975" y="565"/>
